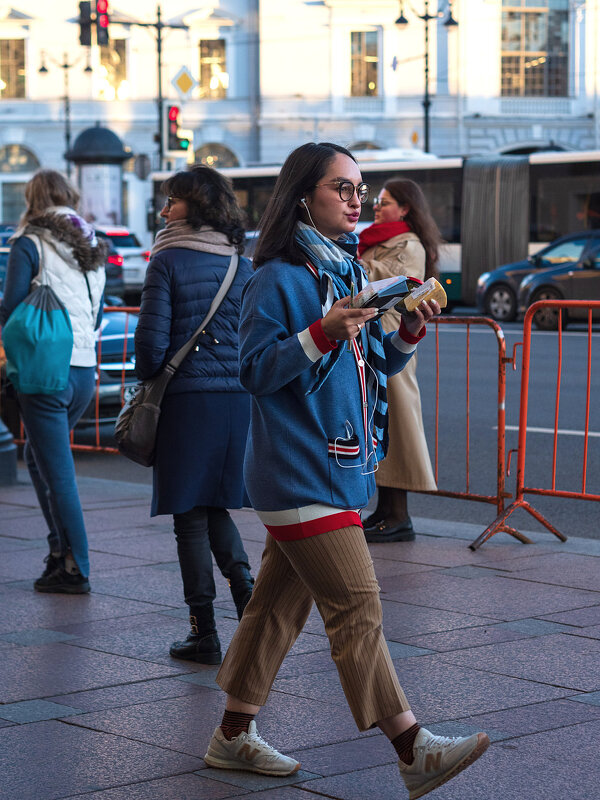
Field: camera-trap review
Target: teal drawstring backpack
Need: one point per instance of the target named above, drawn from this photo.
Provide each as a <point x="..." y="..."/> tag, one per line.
<point x="38" y="340"/>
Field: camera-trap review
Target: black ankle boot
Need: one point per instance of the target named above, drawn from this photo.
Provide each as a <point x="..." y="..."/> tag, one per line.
<point x="241" y="583"/>
<point x="202" y="644"/>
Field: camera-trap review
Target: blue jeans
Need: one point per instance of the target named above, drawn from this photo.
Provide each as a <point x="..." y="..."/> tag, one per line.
<point x="199" y="532"/>
<point x="48" y="421"/>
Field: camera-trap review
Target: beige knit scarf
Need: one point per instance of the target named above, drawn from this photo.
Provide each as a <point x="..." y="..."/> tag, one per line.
<point x="180" y="233"/>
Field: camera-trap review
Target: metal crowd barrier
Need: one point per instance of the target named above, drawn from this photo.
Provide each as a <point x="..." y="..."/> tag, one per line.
<point x="500" y="495"/>
<point x="553" y="490"/>
<point x="122" y="373"/>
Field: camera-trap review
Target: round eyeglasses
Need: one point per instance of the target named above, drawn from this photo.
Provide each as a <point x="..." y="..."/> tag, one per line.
<point x="346" y="190"/>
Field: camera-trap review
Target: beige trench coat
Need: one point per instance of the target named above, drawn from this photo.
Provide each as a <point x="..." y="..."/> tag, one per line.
<point x="407" y="465"/>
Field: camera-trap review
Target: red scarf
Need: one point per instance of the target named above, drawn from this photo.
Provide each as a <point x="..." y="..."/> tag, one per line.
<point x="381" y="232"/>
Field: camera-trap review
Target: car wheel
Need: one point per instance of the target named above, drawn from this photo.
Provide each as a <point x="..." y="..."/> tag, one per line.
<point x="501" y="303"/>
<point x="546" y="319"/>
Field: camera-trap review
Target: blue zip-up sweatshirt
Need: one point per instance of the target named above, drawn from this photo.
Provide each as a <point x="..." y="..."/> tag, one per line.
<point x="307" y="454"/>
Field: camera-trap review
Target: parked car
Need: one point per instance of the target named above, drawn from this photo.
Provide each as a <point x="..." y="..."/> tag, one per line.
<point x="116" y="369"/>
<point x="126" y="245"/>
<point x="497" y="291"/>
<point x="578" y="281"/>
<point x="115" y="283"/>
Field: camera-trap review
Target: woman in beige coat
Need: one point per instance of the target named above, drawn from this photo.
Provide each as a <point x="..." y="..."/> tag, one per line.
<point x="404" y="240"/>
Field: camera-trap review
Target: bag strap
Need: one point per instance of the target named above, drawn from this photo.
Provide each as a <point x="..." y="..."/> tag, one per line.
<point x="219" y="297"/>
<point x="38" y="280"/>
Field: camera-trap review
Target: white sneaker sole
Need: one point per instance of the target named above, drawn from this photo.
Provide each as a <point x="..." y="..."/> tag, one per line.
<point x="223" y="763"/>
<point x="482" y="745"/>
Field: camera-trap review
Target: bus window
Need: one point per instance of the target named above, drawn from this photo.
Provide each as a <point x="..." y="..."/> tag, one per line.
<point x="564" y="199"/>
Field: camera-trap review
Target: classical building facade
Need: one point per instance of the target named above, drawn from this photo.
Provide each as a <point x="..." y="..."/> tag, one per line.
<point x="254" y="78"/>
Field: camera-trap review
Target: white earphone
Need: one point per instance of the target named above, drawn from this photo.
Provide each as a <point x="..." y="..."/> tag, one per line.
<point x="303" y="200"/>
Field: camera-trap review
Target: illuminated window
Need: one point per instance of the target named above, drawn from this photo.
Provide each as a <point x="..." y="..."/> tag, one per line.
<point x="535" y="48"/>
<point x="12" y="68"/>
<point x="214" y="78"/>
<point x="216" y="155"/>
<point x="364" y="47"/>
<point x="113" y="71"/>
<point x="16" y="158"/>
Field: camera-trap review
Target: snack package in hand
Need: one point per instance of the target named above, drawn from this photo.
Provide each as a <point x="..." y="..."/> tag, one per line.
<point x="430" y="290"/>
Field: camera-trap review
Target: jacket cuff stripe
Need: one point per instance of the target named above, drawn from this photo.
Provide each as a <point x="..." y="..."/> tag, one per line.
<point x="303" y="530"/>
<point x="314" y="342"/>
<point x="408" y="337"/>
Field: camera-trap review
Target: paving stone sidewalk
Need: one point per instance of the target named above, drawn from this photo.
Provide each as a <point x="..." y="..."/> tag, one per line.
<point x="505" y="640"/>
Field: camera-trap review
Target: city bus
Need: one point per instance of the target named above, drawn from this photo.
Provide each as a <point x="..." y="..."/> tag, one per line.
<point x="491" y="210"/>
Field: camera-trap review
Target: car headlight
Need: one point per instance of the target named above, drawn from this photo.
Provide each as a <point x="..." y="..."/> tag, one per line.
<point x="483" y="278"/>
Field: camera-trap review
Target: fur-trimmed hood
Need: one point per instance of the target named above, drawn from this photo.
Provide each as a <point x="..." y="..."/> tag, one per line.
<point x="68" y="240"/>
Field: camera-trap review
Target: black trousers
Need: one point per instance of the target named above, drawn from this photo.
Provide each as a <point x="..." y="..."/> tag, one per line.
<point x="199" y="532"/>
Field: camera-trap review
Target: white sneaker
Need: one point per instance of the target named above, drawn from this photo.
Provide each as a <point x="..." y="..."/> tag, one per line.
<point x="249" y="752"/>
<point x="438" y="758"/>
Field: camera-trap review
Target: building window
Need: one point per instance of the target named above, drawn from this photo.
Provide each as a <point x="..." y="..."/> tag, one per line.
<point x="15" y="158"/>
<point x="364" y="47"/>
<point x="216" y="155"/>
<point x="113" y="71"/>
<point x="214" y="78"/>
<point x="12" y="68"/>
<point x="535" y="48"/>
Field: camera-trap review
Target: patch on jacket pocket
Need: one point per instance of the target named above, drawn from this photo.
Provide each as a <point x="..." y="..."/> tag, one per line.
<point x="341" y="447"/>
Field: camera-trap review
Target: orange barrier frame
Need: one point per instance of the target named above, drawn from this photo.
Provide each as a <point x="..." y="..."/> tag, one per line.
<point x="498" y="499"/>
<point x="501" y="495"/>
<point x="499" y="523"/>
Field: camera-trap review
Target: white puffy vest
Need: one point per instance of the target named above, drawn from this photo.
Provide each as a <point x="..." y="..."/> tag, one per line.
<point x="62" y="273"/>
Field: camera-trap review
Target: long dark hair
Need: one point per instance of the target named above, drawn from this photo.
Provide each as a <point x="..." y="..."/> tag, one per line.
<point x="210" y="200"/>
<point x="303" y="168"/>
<point x="407" y="192"/>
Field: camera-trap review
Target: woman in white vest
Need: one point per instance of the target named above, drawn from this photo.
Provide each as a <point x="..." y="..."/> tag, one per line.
<point x="52" y="232"/>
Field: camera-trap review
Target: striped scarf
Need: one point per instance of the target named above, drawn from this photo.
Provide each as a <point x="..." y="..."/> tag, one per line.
<point x="337" y="267"/>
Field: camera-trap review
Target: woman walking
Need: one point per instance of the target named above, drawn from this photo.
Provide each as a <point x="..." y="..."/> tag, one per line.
<point x="52" y="231"/>
<point x="197" y="474"/>
<point x="316" y="370"/>
<point x="404" y="240"/>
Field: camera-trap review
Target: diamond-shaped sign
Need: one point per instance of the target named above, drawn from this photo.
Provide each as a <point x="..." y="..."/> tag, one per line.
<point x="184" y="82"/>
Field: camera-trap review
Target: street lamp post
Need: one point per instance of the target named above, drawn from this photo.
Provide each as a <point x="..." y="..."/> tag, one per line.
<point x="426" y="17"/>
<point x="65" y="66"/>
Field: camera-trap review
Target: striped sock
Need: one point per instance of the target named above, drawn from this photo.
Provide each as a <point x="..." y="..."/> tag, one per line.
<point x="403" y="744"/>
<point x="234" y="723"/>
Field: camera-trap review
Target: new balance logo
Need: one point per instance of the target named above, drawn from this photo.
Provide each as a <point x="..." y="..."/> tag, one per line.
<point x="249" y="753"/>
<point x="432" y="762"/>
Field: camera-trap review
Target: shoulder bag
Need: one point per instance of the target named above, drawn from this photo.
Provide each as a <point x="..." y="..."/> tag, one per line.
<point x="137" y="423"/>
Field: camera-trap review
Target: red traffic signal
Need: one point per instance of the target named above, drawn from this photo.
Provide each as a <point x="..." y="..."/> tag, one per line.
<point x="102" y="22"/>
<point x="175" y="142"/>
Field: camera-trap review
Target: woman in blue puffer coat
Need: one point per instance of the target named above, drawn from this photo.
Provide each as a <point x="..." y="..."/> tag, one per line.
<point x="205" y="413"/>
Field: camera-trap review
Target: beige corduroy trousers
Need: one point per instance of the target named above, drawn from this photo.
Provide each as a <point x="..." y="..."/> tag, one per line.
<point x="336" y="571"/>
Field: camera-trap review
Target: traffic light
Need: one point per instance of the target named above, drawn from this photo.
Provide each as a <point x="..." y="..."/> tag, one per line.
<point x="102" y="22"/>
<point x="85" y="23"/>
<point x="176" y="140"/>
